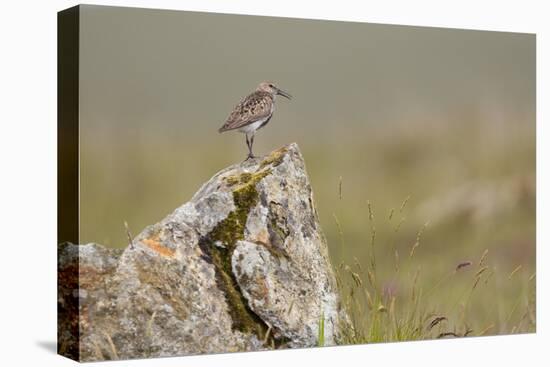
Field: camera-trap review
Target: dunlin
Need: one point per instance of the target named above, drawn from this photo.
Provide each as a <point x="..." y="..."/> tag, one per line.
<point x="254" y="112"/>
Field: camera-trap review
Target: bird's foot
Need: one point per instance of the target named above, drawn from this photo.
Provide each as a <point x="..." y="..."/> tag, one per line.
<point x="250" y="156"/>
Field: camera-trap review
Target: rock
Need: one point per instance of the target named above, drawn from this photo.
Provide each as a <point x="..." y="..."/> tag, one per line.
<point x="83" y="273"/>
<point x="242" y="266"/>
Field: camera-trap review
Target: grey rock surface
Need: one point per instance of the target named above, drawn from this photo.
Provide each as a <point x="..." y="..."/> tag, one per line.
<point x="242" y="266"/>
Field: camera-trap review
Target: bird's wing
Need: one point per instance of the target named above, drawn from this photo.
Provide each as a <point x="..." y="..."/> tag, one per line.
<point x="254" y="107"/>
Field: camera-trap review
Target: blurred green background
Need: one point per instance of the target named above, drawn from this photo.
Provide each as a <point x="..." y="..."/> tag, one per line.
<point x="443" y="116"/>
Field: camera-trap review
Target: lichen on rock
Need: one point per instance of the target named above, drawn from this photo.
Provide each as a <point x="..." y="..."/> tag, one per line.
<point x="242" y="266"/>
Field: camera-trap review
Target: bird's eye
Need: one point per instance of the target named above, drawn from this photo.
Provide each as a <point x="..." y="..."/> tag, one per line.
<point x="271" y="85"/>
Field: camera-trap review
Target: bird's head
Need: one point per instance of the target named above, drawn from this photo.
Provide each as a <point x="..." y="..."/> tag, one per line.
<point x="270" y="87"/>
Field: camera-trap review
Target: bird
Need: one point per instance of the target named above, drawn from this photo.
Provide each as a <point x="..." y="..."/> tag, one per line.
<point x="253" y="113"/>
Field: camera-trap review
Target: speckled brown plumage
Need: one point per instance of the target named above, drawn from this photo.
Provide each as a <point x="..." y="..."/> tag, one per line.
<point x="256" y="106"/>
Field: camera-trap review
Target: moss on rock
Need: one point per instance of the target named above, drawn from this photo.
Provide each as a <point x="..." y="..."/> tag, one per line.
<point x="238" y="179"/>
<point x="220" y="243"/>
<point x="275" y="158"/>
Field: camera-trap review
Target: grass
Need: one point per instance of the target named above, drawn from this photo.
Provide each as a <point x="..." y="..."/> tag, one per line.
<point x="321" y="332"/>
<point x="402" y="305"/>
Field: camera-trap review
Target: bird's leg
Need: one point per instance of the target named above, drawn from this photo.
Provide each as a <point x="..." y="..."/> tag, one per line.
<point x="249" y="145"/>
<point x="247" y="142"/>
<point x="250" y="154"/>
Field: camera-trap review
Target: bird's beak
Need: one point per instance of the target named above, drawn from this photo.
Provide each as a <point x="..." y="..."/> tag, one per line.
<point x="283" y="93"/>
